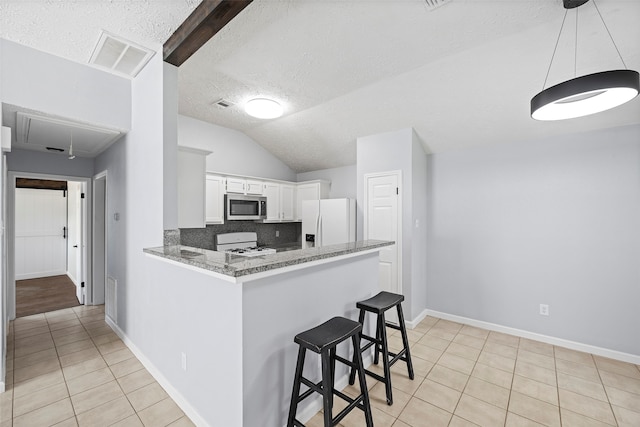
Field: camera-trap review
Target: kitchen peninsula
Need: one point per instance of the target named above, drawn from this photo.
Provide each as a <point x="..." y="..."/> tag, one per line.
<point x="232" y="356"/>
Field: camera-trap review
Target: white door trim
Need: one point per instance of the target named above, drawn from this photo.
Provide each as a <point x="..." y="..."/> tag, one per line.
<point x="11" y="235"/>
<point x="99" y="208"/>
<point x="398" y="174"/>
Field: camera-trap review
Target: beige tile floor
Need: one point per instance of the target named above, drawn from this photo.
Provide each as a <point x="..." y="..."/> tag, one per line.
<point x="465" y="376"/>
<point x="68" y="368"/>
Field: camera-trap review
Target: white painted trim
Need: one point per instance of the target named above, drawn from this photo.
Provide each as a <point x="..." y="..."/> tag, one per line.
<point x="411" y="324"/>
<point x="274" y="272"/>
<point x="2" y="387"/>
<point x="155" y="373"/>
<point x="398" y="174"/>
<point x="39" y="274"/>
<point x="598" y="351"/>
<point x="10" y="234"/>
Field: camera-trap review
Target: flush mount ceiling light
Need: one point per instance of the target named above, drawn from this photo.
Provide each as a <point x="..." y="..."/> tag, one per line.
<point x="263" y="108"/>
<point x="588" y="94"/>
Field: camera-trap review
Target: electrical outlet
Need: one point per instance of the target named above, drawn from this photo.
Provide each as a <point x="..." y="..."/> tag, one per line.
<point x="183" y="361"/>
<point x="544" y="309"/>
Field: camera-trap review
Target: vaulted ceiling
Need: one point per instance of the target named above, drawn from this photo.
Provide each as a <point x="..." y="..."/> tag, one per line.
<point x="461" y="74"/>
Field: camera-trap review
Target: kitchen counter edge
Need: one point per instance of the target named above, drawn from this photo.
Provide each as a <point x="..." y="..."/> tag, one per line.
<point x="239" y="269"/>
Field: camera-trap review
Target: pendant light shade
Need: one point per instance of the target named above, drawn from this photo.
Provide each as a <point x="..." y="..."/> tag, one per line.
<point x="586" y="95"/>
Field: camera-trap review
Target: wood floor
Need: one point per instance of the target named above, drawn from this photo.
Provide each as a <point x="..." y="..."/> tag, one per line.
<point x="45" y="294"/>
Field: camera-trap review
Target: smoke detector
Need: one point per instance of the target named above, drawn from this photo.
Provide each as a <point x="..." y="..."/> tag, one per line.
<point x="119" y="55"/>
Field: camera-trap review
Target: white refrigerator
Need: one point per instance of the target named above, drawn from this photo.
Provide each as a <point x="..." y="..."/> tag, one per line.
<point x="328" y="222"/>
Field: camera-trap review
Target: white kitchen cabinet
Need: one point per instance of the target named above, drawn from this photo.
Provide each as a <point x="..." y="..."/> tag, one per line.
<point x="215" y="186"/>
<point x="280" y="201"/>
<point x="191" y="187"/>
<point x="310" y="190"/>
<point x="244" y="186"/>
<point x="287" y="202"/>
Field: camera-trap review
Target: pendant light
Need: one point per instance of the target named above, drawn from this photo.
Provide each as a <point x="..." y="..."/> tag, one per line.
<point x="588" y="94"/>
<point x="71" y="156"/>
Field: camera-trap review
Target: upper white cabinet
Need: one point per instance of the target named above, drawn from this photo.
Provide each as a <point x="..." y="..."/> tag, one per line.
<point x="280" y="201"/>
<point x="191" y="187"/>
<point x="244" y="186"/>
<point x="215" y="199"/>
<point x="310" y="190"/>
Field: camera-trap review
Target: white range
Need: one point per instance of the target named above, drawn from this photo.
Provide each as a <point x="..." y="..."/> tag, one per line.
<point x="242" y="243"/>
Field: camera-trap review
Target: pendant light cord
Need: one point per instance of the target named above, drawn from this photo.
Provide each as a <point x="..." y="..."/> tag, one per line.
<point x="609" y="32"/>
<point x="554" y="50"/>
<point x="575" y="51"/>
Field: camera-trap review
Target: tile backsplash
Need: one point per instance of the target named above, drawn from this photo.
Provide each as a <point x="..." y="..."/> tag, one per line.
<point x="289" y="232"/>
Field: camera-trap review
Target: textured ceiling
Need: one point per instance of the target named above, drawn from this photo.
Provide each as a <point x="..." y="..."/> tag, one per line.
<point x="71" y="28"/>
<point x="461" y="75"/>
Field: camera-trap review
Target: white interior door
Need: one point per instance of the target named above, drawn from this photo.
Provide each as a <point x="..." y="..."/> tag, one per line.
<point x="382" y="222"/>
<point x="75" y="239"/>
<point x="40" y="221"/>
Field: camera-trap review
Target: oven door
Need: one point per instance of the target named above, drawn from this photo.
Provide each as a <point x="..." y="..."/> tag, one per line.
<point x="245" y="208"/>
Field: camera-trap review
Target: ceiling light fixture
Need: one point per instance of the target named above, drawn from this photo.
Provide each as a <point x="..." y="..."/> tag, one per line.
<point x="588" y="94"/>
<point x="263" y="108"/>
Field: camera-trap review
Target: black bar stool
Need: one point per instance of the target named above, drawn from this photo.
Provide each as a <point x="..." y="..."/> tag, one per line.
<point x="378" y="305"/>
<point x="323" y="340"/>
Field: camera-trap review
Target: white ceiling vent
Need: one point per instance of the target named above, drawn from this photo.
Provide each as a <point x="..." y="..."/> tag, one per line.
<point x="119" y="55"/>
<point x="434" y="4"/>
<point x="223" y="103"/>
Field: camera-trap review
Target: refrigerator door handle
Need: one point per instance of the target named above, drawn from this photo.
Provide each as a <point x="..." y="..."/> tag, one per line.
<point x="319" y="233"/>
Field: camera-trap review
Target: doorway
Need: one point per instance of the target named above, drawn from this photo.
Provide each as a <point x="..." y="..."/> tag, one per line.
<point x="76" y="240"/>
<point x="383" y="221"/>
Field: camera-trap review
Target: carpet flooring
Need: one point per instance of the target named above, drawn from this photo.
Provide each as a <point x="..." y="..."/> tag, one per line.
<point x="44" y="294"/>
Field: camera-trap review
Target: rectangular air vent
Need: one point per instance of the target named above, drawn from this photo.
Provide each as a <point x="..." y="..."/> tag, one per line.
<point x="223" y="103"/>
<point x="118" y="55"/>
<point x="434" y="4"/>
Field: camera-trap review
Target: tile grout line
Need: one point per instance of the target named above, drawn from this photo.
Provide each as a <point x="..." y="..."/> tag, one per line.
<point x="605" y="391"/>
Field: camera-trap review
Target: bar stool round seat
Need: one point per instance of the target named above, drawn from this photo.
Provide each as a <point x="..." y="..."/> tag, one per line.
<point x="378" y="305"/>
<point x="323" y="340"/>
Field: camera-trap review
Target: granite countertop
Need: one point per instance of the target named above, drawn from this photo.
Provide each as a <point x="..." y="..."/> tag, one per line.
<point x="237" y="266"/>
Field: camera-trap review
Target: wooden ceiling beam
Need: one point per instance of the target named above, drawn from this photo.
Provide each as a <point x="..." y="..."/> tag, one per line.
<point x="204" y="22"/>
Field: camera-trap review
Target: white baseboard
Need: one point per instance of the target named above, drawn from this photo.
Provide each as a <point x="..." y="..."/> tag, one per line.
<point x="155" y="373"/>
<point x="411" y="324"/>
<point x="40" y="274"/>
<point x="2" y="387"/>
<point x="598" y="351"/>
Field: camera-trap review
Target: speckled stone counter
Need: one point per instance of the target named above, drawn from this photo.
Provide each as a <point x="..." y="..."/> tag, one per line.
<point x="235" y="266"/>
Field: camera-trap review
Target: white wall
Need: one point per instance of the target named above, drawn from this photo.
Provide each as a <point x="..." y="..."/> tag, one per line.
<point x="170" y="155"/>
<point x="50" y="84"/>
<point x="49" y="163"/>
<point x="553" y="221"/>
<point x="419" y="183"/>
<point x="232" y="151"/>
<point x="135" y="192"/>
<point x="391" y="151"/>
<point x="343" y="180"/>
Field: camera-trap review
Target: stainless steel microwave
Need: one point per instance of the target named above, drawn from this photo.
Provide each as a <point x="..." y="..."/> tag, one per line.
<point x="239" y="207"/>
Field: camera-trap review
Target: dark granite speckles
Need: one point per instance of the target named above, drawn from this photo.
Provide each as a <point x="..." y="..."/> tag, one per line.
<point x="237" y="266"/>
